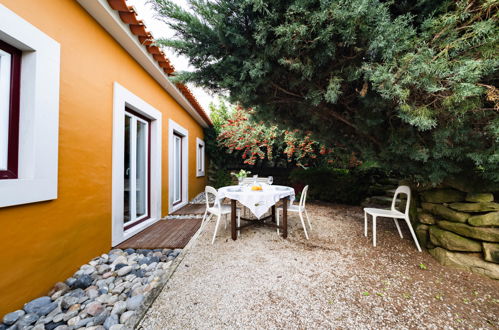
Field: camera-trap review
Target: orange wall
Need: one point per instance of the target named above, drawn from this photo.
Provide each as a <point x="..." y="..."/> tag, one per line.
<point x="46" y="242"/>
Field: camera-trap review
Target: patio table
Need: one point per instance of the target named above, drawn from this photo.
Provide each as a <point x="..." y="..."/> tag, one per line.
<point x="258" y="202"/>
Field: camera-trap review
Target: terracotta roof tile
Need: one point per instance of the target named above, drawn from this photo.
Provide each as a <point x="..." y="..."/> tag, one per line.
<point x="129" y="16"/>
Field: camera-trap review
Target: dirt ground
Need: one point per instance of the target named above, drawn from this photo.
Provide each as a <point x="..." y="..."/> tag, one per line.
<point x="337" y="279"/>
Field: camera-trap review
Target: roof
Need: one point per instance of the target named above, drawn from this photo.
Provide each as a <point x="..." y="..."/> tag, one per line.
<point x="128" y="16"/>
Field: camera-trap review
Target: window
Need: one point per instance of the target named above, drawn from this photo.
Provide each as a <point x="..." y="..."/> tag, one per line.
<point x="10" y="66"/>
<point x="29" y="137"/>
<point x="178" y="166"/>
<point x="200" y="157"/>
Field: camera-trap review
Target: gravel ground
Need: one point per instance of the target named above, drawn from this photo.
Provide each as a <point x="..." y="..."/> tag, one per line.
<point x="334" y="280"/>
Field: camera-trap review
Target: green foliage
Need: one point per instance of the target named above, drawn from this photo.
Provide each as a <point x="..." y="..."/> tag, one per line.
<point x="407" y="84"/>
<point x="220" y="178"/>
<point x="334" y="184"/>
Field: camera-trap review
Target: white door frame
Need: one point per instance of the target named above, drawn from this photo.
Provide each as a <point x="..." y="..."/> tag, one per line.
<point x="173" y="128"/>
<point x="124" y="98"/>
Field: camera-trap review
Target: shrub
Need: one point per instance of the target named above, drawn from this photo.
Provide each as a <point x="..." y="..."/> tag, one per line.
<point x="335" y="185"/>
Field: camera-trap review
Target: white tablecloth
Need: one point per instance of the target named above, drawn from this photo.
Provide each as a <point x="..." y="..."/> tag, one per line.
<point x="258" y="202"/>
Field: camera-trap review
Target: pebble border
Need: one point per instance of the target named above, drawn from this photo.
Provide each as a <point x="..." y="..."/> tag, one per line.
<point x="106" y="293"/>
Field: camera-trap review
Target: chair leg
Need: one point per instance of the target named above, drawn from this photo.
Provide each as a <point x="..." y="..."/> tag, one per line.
<point x="365" y="223"/>
<point x="413" y="234"/>
<point x="374" y="231"/>
<point x="225" y="221"/>
<point x="216" y="228"/>
<point x="303" y="224"/>
<point x="308" y="219"/>
<point x="204" y="216"/>
<point x="203" y="224"/>
<point x="398" y="227"/>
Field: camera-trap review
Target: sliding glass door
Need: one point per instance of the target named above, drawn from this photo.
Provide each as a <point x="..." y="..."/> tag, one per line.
<point x="137" y="164"/>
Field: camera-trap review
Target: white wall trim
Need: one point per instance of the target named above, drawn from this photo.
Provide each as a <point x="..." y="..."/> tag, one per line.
<point x="109" y="19"/>
<point x="172" y="128"/>
<point x="200" y="173"/>
<point x="39" y="112"/>
<point x="124" y="98"/>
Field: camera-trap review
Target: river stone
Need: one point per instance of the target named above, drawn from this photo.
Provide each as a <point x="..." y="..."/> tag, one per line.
<point x="468" y="261"/>
<point x="96" y="327"/>
<point x="120" y="260"/>
<point x="83" y="323"/>
<point x="62" y="327"/>
<point x="134" y="302"/>
<point x="119" y="266"/>
<point x="111" y="320"/>
<point x="82" y="282"/>
<point x="44" y="310"/>
<point x="118" y="327"/>
<point x="445" y="212"/>
<point x="479" y="197"/>
<point x="56" y="325"/>
<point x="475" y="207"/>
<point x="453" y="242"/>
<point x="125" y="270"/>
<point x="26" y="320"/>
<point x="480" y="233"/>
<point x="119" y="308"/>
<point x="442" y="196"/>
<point x="59" y="286"/>
<point x="126" y="316"/>
<point x="426" y="218"/>
<point x="487" y="219"/>
<point x="11" y="318"/>
<point x="34" y="305"/>
<point x="94" y="308"/>
<point x="491" y="252"/>
<point x="68" y="301"/>
<point x="72" y="312"/>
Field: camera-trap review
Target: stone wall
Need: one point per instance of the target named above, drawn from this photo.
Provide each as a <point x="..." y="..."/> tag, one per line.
<point x="460" y="229"/>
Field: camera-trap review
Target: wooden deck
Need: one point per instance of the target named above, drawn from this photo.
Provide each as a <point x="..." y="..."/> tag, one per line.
<point x="191" y="209"/>
<point x="164" y="234"/>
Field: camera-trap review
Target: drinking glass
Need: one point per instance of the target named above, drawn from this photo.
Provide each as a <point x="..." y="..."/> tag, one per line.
<point x="270" y="180"/>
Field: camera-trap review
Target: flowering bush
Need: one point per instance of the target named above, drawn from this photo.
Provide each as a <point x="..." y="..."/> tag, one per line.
<point x="258" y="141"/>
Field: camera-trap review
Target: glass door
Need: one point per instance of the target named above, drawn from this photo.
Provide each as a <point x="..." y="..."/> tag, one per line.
<point x="136" y="164"/>
<point x="177" y="168"/>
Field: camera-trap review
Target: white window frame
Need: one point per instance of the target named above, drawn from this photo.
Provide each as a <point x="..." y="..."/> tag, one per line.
<point x="173" y="127"/>
<point x="5" y="89"/>
<point x="123" y="98"/>
<point x="39" y="112"/>
<point x="200" y="158"/>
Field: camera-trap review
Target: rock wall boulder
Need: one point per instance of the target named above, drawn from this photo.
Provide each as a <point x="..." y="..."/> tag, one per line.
<point x="460" y="228"/>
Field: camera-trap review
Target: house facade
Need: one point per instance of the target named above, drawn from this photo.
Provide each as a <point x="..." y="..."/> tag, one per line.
<point x="96" y="144"/>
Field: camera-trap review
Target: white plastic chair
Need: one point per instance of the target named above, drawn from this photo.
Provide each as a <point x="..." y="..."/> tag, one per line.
<point x="258" y="180"/>
<point x="392" y="213"/>
<point x="217" y="209"/>
<point x="247" y="181"/>
<point x="300" y="209"/>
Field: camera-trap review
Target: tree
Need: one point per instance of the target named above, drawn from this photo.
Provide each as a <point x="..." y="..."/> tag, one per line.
<point x="409" y="86"/>
<point x="255" y="141"/>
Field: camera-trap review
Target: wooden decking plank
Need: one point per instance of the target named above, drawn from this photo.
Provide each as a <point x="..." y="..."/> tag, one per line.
<point x="174" y="233"/>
